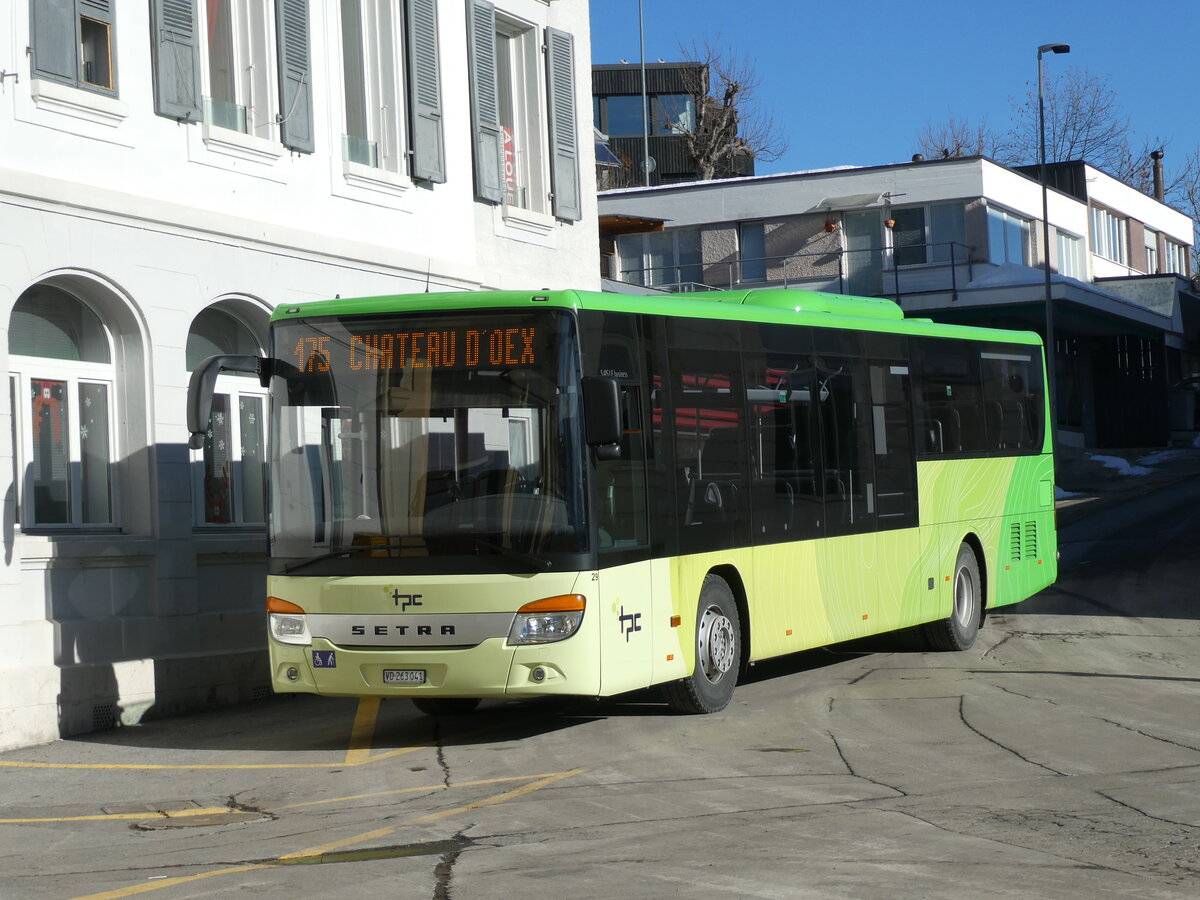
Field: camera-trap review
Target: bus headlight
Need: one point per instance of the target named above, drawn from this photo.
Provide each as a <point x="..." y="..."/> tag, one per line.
<point x="288" y="623"/>
<point x="548" y="620"/>
<point x="290" y="629"/>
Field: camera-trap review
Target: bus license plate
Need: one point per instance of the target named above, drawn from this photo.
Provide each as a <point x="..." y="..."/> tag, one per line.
<point x="403" y="676"/>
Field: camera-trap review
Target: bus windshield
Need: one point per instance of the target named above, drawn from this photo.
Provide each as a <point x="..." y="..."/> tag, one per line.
<point x="408" y="442"/>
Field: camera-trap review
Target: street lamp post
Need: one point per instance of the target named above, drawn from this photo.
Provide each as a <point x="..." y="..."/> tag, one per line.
<point x="645" y="99"/>
<point x="1051" y="385"/>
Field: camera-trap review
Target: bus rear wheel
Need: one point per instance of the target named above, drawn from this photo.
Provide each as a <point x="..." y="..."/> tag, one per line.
<point x="959" y="630"/>
<point x="718" y="653"/>
<point x="446" y="706"/>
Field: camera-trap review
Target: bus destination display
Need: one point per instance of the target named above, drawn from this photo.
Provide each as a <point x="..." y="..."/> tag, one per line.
<point x="382" y="351"/>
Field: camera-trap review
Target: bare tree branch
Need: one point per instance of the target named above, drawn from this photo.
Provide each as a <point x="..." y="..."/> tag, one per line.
<point x="1084" y="121"/>
<point x="727" y="123"/>
<point x="955" y="139"/>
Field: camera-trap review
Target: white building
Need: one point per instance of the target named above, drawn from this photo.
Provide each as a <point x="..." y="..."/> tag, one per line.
<point x="169" y="172"/>
<point x="958" y="240"/>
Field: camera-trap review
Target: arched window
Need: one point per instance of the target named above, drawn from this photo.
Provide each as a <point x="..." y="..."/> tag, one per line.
<point x="62" y="373"/>
<point x="230" y="483"/>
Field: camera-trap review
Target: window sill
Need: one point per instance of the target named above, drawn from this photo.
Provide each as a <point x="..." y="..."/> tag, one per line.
<point x="78" y="103"/>
<point x="375" y="179"/>
<point x="246" y="147"/>
<point x="524" y="225"/>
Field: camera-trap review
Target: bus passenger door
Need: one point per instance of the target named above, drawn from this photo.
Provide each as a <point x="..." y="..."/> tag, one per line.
<point x="625" y="585"/>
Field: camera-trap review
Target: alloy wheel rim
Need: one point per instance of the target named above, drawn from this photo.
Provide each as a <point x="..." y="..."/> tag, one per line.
<point x="717" y="644"/>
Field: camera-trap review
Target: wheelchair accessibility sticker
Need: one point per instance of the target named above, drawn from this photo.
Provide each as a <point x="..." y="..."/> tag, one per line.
<point x="324" y="659"/>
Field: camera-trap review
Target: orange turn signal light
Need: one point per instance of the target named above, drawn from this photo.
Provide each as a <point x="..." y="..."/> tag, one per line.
<point x="561" y="603"/>
<point x="275" y="605"/>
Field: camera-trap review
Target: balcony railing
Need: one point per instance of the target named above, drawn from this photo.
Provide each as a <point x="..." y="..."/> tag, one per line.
<point x="875" y="272"/>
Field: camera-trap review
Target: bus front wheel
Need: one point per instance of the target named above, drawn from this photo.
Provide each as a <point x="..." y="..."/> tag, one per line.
<point x="718" y="653"/>
<point x="959" y="630"/>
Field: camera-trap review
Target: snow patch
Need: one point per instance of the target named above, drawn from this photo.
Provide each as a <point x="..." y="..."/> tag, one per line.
<point x="1123" y="466"/>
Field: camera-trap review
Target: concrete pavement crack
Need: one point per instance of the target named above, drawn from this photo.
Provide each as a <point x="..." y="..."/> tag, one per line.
<point x="962" y="715"/>
<point x="1152" y="737"/>
<point x="1142" y="812"/>
<point x="443" y="872"/>
<point x="441" y="753"/>
<point x="849" y="768"/>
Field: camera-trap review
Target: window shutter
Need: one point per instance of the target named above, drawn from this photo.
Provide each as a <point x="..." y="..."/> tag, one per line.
<point x="175" y="54"/>
<point x="55" y="40"/>
<point x="425" y="92"/>
<point x="485" y="102"/>
<point x="295" y="75"/>
<point x="564" y="148"/>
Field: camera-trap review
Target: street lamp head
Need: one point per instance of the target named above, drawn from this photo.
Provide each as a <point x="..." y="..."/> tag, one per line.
<point x="1054" y="48"/>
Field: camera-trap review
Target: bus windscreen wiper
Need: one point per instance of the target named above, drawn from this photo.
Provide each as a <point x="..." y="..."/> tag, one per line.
<point x="538" y="562"/>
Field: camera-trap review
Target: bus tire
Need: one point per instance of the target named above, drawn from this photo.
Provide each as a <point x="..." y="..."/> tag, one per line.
<point x="959" y="630"/>
<point x="446" y="706"/>
<point x="718" y="653"/>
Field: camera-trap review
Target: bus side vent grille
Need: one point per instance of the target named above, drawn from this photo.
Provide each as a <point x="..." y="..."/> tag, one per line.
<point x="1014" y="544"/>
<point x="1031" y="541"/>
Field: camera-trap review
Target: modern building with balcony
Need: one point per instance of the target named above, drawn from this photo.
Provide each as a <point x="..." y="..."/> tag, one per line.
<point x="170" y="172"/>
<point x="956" y="240"/>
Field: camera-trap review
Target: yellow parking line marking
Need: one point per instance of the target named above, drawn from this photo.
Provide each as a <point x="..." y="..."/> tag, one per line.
<point x="542" y="782"/>
<point x="537" y="785"/>
<point x="363" y="731"/>
<point x="429" y="788"/>
<point x="147" y="814"/>
<point x="168" y="882"/>
<point x="159" y="767"/>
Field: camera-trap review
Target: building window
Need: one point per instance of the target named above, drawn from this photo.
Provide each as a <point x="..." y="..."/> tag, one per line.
<point x="61" y="359"/>
<point x="370" y="84"/>
<point x="240" y="58"/>
<point x="928" y="234"/>
<point x="73" y="42"/>
<point x="752" y="252"/>
<point x="229" y="482"/>
<point x="1008" y="237"/>
<point x="662" y="259"/>
<point x="523" y="113"/>
<point x="620" y="115"/>
<point x="517" y="57"/>
<point x="1150" y="242"/>
<point x="1070" y="256"/>
<point x="1176" y="258"/>
<point x="1110" y="236"/>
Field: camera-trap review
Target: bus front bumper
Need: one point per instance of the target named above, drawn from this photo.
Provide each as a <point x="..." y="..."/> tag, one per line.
<point x="492" y="669"/>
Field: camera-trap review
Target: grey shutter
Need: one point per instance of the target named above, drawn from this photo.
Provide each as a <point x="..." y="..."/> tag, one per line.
<point x="54" y="26"/>
<point x="564" y="146"/>
<point x="425" y="92"/>
<point x="485" y="102"/>
<point x="176" y="57"/>
<point x="295" y="75"/>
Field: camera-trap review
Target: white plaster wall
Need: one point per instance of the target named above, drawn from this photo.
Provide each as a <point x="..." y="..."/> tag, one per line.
<point x="154" y="224"/>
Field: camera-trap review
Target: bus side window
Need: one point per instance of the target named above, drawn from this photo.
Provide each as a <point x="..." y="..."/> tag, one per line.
<point x="710" y="442"/>
<point x="621" y="491"/>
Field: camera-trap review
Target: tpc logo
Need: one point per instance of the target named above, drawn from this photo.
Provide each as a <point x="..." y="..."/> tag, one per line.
<point x="630" y="622"/>
<point x="405" y="601"/>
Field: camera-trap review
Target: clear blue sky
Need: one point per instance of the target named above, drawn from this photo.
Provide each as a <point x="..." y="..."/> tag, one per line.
<point x="852" y="83"/>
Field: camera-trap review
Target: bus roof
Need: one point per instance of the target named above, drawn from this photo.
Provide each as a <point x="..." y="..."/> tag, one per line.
<point x="782" y="306"/>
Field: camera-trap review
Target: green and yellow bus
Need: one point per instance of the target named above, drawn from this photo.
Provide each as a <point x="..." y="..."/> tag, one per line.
<point x="506" y="494"/>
